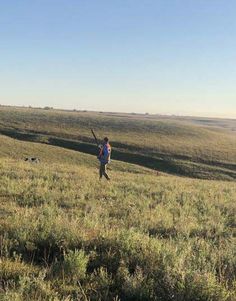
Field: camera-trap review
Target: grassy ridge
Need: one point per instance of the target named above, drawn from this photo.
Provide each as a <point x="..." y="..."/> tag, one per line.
<point x="66" y="236"/>
<point x="176" y="146"/>
<point x="48" y="154"/>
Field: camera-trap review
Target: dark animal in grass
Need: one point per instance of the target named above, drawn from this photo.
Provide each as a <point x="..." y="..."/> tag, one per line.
<point x="32" y="159"/>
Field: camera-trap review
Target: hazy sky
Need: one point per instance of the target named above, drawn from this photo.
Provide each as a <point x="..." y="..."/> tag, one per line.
<point x="157" y="56"/>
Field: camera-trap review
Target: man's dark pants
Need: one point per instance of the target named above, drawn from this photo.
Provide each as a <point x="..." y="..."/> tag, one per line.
<point x="103" y="171"/>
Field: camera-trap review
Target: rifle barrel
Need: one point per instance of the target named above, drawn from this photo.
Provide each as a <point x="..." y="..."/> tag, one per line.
<point x="95" y="138"/>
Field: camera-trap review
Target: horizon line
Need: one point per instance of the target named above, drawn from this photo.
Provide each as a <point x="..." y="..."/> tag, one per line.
<point x="121" y="112"/>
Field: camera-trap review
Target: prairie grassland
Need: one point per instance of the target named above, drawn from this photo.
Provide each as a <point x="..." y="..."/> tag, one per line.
<point x="177" y="146"/>
<point x="66" y="236"/>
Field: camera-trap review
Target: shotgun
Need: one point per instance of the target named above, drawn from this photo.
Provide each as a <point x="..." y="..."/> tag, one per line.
<point x="95" y="138"/>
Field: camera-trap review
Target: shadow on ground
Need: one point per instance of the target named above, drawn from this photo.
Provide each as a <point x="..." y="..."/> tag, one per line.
<point x="179" y="165"/>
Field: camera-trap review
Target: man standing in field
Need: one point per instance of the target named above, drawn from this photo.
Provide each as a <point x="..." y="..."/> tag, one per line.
<point x="104" y="157"/>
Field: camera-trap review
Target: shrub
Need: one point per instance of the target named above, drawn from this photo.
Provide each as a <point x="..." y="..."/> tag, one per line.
<point x="32" y="288"/>
<point x="73" y="267"/>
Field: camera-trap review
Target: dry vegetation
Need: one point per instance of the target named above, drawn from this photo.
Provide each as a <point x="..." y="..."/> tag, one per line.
<point x="202" y="148"/>
<point x="66" y="236"/>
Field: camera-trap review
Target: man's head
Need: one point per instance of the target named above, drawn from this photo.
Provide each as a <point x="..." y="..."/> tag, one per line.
<point x="105" y="140"/>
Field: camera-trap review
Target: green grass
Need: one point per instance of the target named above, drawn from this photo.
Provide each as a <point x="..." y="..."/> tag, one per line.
<point x="202" y="148"/>
<point x="143" y="236"/>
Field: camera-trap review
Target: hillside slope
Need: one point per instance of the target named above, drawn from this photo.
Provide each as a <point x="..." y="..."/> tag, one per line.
<point x="176" y="146"/>
<point x="64" y="235"/>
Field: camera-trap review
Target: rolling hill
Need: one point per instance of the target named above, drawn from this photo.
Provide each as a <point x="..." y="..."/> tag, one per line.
<point x="65" y="235"/>
<point x="199" y="148"/>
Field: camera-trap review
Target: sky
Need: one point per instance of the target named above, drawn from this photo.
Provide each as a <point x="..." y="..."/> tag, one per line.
<point x="156" y="56"/>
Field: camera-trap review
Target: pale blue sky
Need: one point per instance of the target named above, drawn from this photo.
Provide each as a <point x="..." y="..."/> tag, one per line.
<point x="168" y="56"/>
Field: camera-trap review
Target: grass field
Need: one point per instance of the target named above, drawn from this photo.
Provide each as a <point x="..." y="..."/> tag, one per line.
<point x="144" y="236"/>
<point x="202" y="148"/>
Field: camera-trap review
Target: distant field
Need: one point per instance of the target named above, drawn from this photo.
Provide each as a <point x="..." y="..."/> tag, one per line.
<point x="194" y="147"/>
<point x="145" y="236"/>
